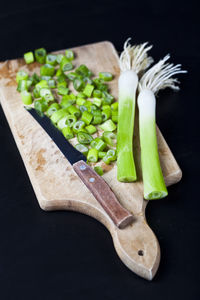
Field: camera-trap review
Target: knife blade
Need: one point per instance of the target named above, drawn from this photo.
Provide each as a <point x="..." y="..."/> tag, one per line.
<point x="95" y="183"/>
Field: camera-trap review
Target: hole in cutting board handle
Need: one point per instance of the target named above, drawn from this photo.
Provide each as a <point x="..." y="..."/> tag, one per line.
<point x="140" y="252"/>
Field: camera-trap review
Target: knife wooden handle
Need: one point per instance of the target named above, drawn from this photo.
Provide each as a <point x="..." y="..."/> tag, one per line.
<point x="103" y="194"/>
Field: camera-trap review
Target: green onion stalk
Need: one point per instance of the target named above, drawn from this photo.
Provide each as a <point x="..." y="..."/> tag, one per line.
<point x="156" y="78"/>
<point x="132" y="60"/>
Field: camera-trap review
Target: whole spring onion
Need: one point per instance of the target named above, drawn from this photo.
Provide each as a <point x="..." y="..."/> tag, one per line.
<point x="132" y="60"/>
<point x="156" y="78"/>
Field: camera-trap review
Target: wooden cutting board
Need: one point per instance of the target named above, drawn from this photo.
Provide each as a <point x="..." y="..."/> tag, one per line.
<point x="57" y="186"/>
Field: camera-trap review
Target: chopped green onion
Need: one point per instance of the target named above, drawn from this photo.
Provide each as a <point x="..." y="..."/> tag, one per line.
<point x="115" y="116"/>
<point x="69" y="97"/>
<point x="21" y="75"/>
<point x="82" y="148"/>
<point x="34" y="78"/>
<point x="88" y="90"/>
<point x="28" y="83"/>
<point x="73" y="110"/>
<point x="68" y="120"/>
<point x="107" y="98"/>
<point x="108" y="126"/>
<point x="92" y="155"/>
<point x="22" y="85"/>
<point x="106" y="76"/>
<point x="93" y="108"/>
<point x="44" y="91"/>
<point x="52" y="83"/>
<point x="59" y="114"/>
<point x="100" y="146"/>
<point x="59" y="72"/>
<point x="61" y="80"/>
<point x="62" y="83"/>
<point x="110" y="156"/>
<point x="83" y="71"/>
<point x="71" y="76"/>
<point x="67" y="132"/>
<point x="83" y="108"/>
<point x="51" y="59"/>
<point x="42" y="84"/>
<point x="91" y="129"/>
<point x="110" y="138"/>
<point x="114" y="106"/>
<point x="59" y="58"/>
<point x="40" y="55"/>
<point x="40" y="105"/>
<point x="97" y="117"/>
<point x="87" y="117"/>
<point x="105" y="107"/>
<point x="78" y="126"/>
<point x="26" y="97"/>
<point x="36" y="93"/>
<point x="107" y="159"/>
<point x="99" y="85"/>
<point x="49" y="97"/>
<point x="67" y="100"/>
<point x="52" y="108"/>
<point x="47" y="78"/>
<point x="69" y="54"/>
<point x="63" y="90"/>
<point x="97" y="93"/>
<point x="84" y="138"/>
<point x="101" y="154"/>
<point x="98" y="170"/>
<point x="46" y="94"/>
<point x="88" y="104"/>
<point x="95" y="142"/>
<point x="71" y="120"/>
<point x="47" y="70"/>
<point x="78" y="84"/>
<point x="28" y="57"/>
<point x="97" y="101"/>
<point x="80" y="101"/>
<point x="106" y="114"/>
<point x="65" y="64"/>
<point x="87" y="80"/>
<point x="81" y="95"/>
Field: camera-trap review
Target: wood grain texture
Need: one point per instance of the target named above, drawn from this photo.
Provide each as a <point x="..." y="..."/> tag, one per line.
<point x="56" y="184"/>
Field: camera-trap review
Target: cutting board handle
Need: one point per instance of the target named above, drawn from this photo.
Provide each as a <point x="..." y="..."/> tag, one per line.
<point x="103" y="194"/>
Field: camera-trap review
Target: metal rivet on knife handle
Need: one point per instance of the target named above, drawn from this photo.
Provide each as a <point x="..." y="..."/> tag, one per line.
<point x="103" y="194"/>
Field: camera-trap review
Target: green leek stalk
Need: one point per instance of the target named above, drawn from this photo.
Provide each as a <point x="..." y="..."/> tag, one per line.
<point x="154" y="185"/>
<point x="156" y="78"/>
<point x="132" y="60"/>
<point x="128" y="82"/>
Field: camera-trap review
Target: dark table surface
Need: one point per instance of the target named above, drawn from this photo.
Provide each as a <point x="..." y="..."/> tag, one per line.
<point x="67" y="255"/>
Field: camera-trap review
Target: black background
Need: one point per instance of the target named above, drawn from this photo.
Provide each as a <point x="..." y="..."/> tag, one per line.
<point x="67" y="255"/>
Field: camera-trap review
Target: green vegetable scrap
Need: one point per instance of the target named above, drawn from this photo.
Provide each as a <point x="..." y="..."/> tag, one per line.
<point x="28" y="57"/>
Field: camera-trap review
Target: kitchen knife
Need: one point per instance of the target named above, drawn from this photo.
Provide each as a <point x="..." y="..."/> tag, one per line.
<point x="95" y="183"/>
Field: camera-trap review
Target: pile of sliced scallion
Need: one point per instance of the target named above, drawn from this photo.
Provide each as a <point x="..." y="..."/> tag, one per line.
<point x="77" y="114"/>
